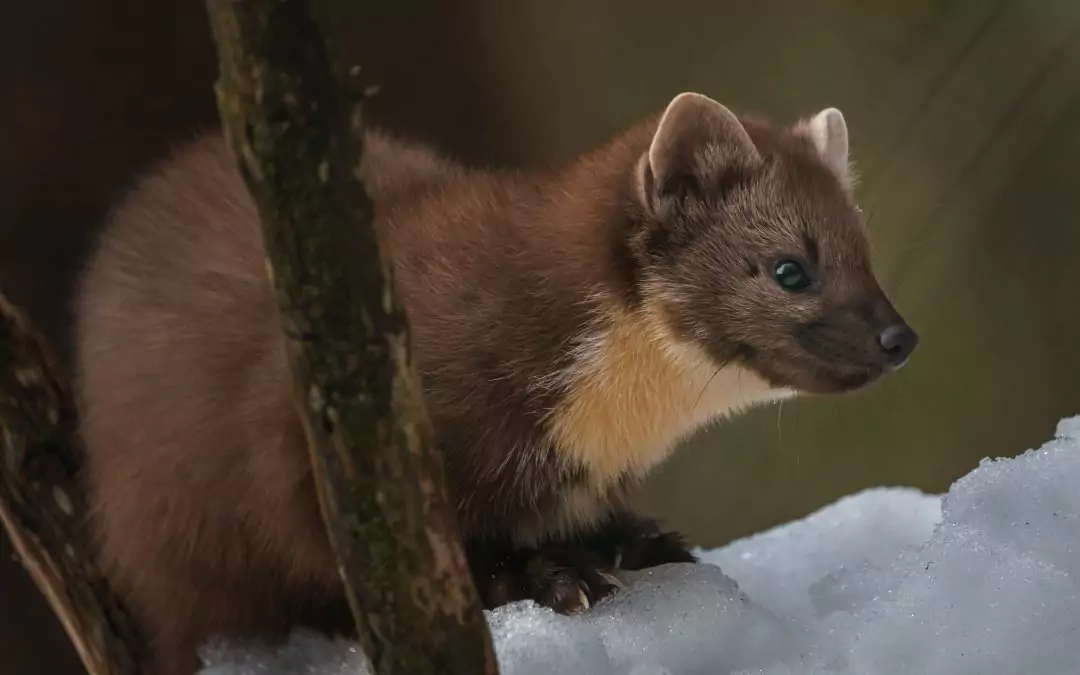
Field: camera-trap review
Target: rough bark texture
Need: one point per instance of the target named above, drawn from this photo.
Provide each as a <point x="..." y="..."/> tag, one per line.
<point x="295" y="129"/>
<point x="42" y="506"/>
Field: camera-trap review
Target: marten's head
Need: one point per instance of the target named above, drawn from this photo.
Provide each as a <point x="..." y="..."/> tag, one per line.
<point x="749" y="241"/>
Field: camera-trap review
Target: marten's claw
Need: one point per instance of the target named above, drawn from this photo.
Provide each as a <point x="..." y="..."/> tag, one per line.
<point x="568" y="581"/>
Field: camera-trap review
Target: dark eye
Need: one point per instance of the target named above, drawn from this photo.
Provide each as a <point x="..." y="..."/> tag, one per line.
<point x="791" y="276"/>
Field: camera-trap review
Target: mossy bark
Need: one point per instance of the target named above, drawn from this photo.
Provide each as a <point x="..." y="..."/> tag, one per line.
<point x="294" y="126"/>
<point x="42" y="505"/>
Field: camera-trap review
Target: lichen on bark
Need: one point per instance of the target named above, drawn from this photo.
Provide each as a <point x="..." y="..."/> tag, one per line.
<point x="294" y="125"/>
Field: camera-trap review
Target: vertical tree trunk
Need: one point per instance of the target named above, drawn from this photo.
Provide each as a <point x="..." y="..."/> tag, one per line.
<point x="295" y="129"/>
<point x="42" y="506"/>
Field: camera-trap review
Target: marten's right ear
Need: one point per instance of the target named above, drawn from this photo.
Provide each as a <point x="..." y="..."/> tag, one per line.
<point x="696" y="143"/>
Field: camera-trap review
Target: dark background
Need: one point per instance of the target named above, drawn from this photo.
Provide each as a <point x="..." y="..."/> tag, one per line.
<point x="965" y="121"/>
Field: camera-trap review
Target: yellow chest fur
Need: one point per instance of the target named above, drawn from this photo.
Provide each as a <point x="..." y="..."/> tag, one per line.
<point x="635" y="392"/>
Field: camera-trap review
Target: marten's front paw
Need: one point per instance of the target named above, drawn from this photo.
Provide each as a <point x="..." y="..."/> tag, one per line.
<point x="567" y="581"/>
<point x="652" y="549"/>
<point x="629" y="542"/>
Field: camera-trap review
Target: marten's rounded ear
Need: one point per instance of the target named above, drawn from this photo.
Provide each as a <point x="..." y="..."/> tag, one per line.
<point x="696" y="141"/>
<point x="829" y="133"/>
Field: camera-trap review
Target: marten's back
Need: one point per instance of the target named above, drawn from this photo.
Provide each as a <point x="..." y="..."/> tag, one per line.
<point x="184" y="416"/>
<point x="196" y="462"/>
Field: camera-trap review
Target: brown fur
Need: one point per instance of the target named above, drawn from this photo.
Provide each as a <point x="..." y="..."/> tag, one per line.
<point x="571" y="326"/>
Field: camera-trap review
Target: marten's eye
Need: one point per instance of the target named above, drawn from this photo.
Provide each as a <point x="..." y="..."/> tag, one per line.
<point x="791" y="276"/>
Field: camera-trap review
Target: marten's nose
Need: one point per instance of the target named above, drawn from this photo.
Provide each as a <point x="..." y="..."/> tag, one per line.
<point x="898" y="341"/>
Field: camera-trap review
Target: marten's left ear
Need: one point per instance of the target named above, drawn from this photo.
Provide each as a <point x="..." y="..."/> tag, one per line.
<point x="696" y="143"/>
<point x="829" y="133"/>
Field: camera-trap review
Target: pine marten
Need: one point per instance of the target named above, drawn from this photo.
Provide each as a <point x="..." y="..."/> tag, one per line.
<point x="571" y="326"/>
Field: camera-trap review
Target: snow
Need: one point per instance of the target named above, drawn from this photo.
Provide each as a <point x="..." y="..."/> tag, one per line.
<point x="889" y="581"/>
<point x="778" y="567"/>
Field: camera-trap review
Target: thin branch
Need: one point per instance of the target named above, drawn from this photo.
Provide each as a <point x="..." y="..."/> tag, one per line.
<point x="42" y="506"/>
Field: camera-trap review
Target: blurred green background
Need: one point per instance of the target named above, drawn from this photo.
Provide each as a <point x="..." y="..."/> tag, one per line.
<point x="965" y="123"/>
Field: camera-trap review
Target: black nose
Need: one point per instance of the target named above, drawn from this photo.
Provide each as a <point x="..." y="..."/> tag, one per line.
<point x="898" y="341"/>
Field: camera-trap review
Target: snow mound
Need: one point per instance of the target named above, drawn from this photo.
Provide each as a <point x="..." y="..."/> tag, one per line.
<point x="889" y="581"/>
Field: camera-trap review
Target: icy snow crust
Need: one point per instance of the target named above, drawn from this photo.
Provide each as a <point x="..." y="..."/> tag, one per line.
<point x="885" y="582"/>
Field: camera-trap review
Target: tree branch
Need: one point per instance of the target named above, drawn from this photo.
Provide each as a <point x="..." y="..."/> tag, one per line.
<point x="42" y="506"/>
<point x="295" y="130"/>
